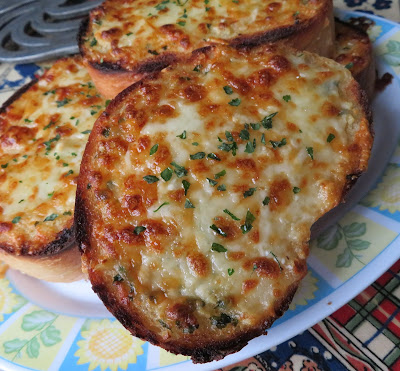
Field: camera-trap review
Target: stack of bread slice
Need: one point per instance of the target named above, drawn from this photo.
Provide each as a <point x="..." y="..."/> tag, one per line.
<point x="201" y="179"/>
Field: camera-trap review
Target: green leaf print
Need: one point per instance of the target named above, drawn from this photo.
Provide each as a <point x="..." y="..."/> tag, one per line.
<point x="14" y="345"/>
<point x="33" y="348"/>
<point x="50" y="336"/>
<point x="37" y="320"/>
<point x="331" y="238"/>
<point x="392" y="56"/>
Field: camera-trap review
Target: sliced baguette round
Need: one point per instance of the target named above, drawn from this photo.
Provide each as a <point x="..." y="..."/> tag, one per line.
<point x="200" y="183"/>
<point x="43" y="132"/>
<point x="353" y="49"/>
<point x="124" y="40"/>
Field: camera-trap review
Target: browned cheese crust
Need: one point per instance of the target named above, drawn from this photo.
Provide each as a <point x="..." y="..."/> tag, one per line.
<point x="122" y="41"/>
<point x="199" y="186"/>
<point x="43" y="131"/>
<point x="353" y="49"/>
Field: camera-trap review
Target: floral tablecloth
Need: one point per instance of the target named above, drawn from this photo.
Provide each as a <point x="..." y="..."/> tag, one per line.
<point x="365" y="333"/>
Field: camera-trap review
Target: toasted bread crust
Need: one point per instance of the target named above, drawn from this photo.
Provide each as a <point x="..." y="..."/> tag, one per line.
<point x="353" y="49"/>
<point x="104" y="227"/>
<point x="314" y="33"/>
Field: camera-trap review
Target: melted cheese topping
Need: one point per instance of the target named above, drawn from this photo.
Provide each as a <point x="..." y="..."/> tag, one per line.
<point x="126" y="32"/>
<point x="42" y="137"/>
<point x="199" y="201"/>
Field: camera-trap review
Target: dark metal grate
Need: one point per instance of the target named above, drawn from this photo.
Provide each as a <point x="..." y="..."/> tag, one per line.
<point x="36" y="30"/>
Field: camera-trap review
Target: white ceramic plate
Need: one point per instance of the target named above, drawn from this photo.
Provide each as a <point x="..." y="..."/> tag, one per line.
<point x="45" y="326"/>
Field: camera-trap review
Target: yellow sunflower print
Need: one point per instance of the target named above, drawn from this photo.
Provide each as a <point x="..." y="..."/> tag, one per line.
<point x="108" y="345"/>
<point x="305" y="292"/>
<point x="386" y="195"/>
<point x="9" y="301"/>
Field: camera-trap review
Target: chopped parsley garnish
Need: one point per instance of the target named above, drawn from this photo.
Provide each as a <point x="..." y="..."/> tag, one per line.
<point x="69" y="173"/>
<point x="183" y="135"/>
<point x="287" y="98"/>
<point x="162" y="5"/>
<point x="186" y="186"/>
<point x="266" y="122"/>
<point x="154" y="52"/>
<point x="27" y="120"/>
<point x="50" y="92"/>
<point x="158" y="208"/>
<point x="276" y="144"/>
<point x="296" y="14"/>
<point x="93" y="112"/>
<point x="235" y="102"/>
<point x="220" y="174"/>
<point x="330" y="138"/>
<point x="212" y="182"/>
<point x="73" y="154"/>
<point x="129" y="34"/>
<point x="197" y="68"/>
<point x="21" y="201"/>
<point x="16" y="220"/>
<point x="296" y="189"/>
<point x="249" y="192"/>
<point x="255" y="126"/>
<point x="50" y="194"/>
<point x="266" y="201"/>
<point x="218" y="248"/>
<point x="61" y="103"/>
<point x="67" y="213"/>
<point x="234" y="217"/>
<point x="163" y="324"/>
<point x="181" y="23"/>
<point x="276" y="259"/>
<point x="213" y="156"/>
<point x="250" y="218"/>
<point x="153" y="149"/>
<point x="188" y="204"/>
<point x="227" y="147"/>
<point x="244" y="134"/>
<point x="48" y="143"/>
<point x="151" y="179"/>
<point x="118" y="278"/>
<point x="107" y="102"/>
<point x="93" y="42"/>
<point x="50" y="218"/>
<point x="221" y="188"/>
<point x="4" y="166"/>
<point x="310" y="152"/>
<point x="263" y="139"/>
<point x="195" y="144"/>
<point x="180" y="171"/>
<point x="51" y="123"/>
<point x="230" y="271"/>
<point x="166" y="174"/>
<point x="228" y="90"/>
<point x="86" y="132"/>
<point x="349" y="65"/>
<point x="223" y="320"/>
<point x="139" y="229"/>
<point x="250" y="146"/>
<point x="106" y="132"/>
<point x="198" y="156"/>
<point x="218" y="230"/>
<point x="229" y="136"/>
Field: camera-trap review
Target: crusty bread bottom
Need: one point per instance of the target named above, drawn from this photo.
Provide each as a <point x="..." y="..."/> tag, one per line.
<point x="62" y="267"/>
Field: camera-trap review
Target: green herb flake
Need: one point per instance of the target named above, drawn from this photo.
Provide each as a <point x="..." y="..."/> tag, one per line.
<point x="263" y="139"/>
<point x="153" y="52"/>
<point x="129" y="34"/>
<point x="151" y="179"/>
<point x="183" y="135"/>
<point x="250" y="218"/>
<point x="229" y="136"/>
<point x="93" y="42"/>
<point x="153" y="149"/>
<point x="70" y="172"/>
<point x="223" y="320"/>
<point x="65" y="164"/>
<point x="106" y="132"/>
<point x="255" y="126"/>
<point x="230" y="271"/>
<point x="198" y="156"/>
<point x="16" y="220"/>
<point x="330" y="138"/>
<point x="195" y="144"/>
<point x="188" y="204"/>
<point x="221" y="188"/>
<point x="197" y="68"/>
<point x="213" y="156"/>
<point x="287" y="98"/>
<point x="218" y="230"/>
<point x="228" y="90"/>
<point x="50" y="124"/>
<point x="250" y="147"/>
<point x="163" y="204"/>
<point x="139" y="229"/>
<point x="186" y="186"/>
<point x="50" y="218"/>
<point x="4" y="166"/>
<point x="50" y="92"/>
<point x="310" y="152"/>
<point x="117" y="278"/>
<point x="67" y="213"/>
<point x="74" y="154"/>
<point x="181" y="23"/>
<point x="27" y="120"/>
<point x="220" y="174"/>
<point x="266" y="201"/>
<point x="249" y="192"/>
<point x="21" y="201"/>
<point x="234" y="217"/>
<point x="296" y="190"/>
<point x="86" y="132"/>
<point x="218" y="248"/>
<point x="266" y="122"/>
<point x="349" y="65"/>
<point x="296" y="14"/>
<point x="162" y="5"/>
<point x="107" y="102"/>
<point x="167" y="174"/>
<point x="244" y="134"/>
<point x="61" y="103"/>
<point x="276" y="144"/>
<point x="276" y="259"/>
<point x="212" y="182"/>
<point x="235" y="102"/>
<point x="180" y="171"/>
<point x="48" y="143"/>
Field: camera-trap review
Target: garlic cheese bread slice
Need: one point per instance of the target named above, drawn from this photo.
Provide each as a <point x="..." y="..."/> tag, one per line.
<point x="43" y="131"/>
<point x="199" y="186"/>
<point x="124" y="40"/>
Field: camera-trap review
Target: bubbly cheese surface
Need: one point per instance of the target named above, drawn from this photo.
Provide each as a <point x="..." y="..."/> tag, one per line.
<point x="199" y="187"/>
<point x="42" y="137"/>
<point x="127" y="32"/>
